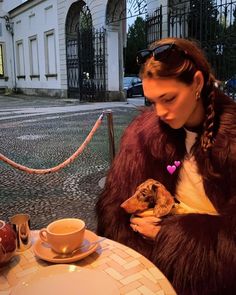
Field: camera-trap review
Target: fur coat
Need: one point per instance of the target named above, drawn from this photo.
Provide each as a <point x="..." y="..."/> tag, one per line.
<point x="196" y="252"/>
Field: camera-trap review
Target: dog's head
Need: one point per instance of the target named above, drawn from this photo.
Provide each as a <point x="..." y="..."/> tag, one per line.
<point x="149" y="194"/>
<point x="143" y="198"/>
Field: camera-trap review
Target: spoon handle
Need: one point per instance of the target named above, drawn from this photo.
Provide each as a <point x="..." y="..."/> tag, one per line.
<point x="64" y="255"/>
<point x="89" y="244"/>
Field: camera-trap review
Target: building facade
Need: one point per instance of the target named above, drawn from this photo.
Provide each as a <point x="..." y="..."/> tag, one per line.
<point x="74" y="48"/>
<point x="64" y="48"/>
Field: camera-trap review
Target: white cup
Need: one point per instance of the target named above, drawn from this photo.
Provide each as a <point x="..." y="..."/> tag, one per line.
<point x="64" y="235"/>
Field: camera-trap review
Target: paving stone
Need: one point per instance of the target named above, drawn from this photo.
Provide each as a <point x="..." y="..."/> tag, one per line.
<point x="43" y="143"/>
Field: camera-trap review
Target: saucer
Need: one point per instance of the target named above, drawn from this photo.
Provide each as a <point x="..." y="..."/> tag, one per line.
<point x="43" y="250"/>
<point x="64" y="279"/>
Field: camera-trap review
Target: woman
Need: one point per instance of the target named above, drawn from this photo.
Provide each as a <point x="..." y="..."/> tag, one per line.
<point x="193" y="122"/>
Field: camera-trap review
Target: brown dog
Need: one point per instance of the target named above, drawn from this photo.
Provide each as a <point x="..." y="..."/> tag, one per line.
<point x="150" y="198"/>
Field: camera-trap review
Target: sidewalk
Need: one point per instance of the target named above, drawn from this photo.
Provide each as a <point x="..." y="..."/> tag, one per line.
<point x="42" y="133"/>
<point x="23" y="106"/>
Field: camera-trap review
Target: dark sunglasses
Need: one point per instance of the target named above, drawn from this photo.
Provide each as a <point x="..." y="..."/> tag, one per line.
<point x="160" y="53"/>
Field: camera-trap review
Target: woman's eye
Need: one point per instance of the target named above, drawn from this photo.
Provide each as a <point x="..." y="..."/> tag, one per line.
<point x="169" y="100"/>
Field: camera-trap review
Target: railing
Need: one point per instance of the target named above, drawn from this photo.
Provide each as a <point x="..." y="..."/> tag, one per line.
<point x="213" y="23"/>
<point x="76" y="153"/>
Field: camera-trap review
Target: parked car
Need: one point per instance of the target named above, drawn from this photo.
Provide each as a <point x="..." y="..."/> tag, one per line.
<point x="133" y="86"/>
<point x="230" y="85"/>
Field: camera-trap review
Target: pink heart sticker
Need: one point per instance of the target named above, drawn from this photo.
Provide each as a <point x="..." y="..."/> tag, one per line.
<point x="177" y="163"/>
<point x="171" y="169"/>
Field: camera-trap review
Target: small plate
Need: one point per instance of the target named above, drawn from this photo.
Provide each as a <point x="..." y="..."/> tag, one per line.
<point x="68" y="279"/>
<point x="43" y="250"/>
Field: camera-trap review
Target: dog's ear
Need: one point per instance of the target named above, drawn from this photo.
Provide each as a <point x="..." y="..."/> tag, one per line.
<point x="155" y="191"/>
<point x="154" y="187"/>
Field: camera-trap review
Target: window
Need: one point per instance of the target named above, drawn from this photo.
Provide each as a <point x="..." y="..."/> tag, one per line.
<point x="20" y="60"/>
<point x="50" y="54"/>
<point x="1" y="61"/>
<point x="33" y="54"/>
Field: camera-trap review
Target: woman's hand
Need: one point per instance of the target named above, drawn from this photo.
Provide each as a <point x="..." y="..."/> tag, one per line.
<point x="146" y="226"/>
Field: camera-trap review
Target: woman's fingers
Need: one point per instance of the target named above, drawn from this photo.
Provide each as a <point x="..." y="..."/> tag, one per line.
<point x="142" y="220"/>
<point x="147" y="229"/>
<point x="134" y="227"/>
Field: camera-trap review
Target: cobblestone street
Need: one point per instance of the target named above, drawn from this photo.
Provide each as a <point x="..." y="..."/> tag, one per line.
<point x="41" y="133"/>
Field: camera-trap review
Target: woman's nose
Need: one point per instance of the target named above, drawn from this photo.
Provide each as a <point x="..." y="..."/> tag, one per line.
<point x="160" y="110"/>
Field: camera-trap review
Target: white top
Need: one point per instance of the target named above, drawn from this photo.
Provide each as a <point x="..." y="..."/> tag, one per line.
<point x="190" y="191"/>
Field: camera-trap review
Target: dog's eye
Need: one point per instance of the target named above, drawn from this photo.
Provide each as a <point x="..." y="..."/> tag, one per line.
<point x="142" y="196"/>
<point x="145" y="197"/>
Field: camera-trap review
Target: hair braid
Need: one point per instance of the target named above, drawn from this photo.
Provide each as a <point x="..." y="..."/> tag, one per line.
<point x="207" y="138"/>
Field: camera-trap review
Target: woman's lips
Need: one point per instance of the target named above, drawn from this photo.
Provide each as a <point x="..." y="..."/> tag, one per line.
<point x="166" y="120"/>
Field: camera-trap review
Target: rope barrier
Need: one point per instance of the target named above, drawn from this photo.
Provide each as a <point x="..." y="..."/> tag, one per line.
<point x="63" y="164"/>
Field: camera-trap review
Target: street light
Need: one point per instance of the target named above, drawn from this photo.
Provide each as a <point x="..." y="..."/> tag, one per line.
<point x="8" y="24"/>
<point x="9" y="27"/>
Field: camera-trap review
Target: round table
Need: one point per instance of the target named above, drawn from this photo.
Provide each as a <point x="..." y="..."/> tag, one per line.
<point x="132" y="272"/>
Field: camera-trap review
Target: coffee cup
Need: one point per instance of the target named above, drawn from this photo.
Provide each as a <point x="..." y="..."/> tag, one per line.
<point x="64" y="235"/>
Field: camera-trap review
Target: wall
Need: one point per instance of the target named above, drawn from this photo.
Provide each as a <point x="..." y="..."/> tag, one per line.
<point x="36" y="20"/>
<point x="7" y="81"/>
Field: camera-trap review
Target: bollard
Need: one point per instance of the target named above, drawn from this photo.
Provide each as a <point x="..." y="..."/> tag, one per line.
<point x="110" y="134"/>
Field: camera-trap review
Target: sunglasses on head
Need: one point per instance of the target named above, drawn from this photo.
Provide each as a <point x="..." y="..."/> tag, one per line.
<point x="160" y="53"/>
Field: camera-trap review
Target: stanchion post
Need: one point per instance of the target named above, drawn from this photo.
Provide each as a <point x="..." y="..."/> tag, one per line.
<point x="110" y="134"/>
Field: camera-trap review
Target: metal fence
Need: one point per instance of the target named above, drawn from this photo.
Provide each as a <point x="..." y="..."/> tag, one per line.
<point x="92" y="56"/>
<point x="85" y="55"/>
<point x="86" y="65"/>
<point x="211" y="22"/>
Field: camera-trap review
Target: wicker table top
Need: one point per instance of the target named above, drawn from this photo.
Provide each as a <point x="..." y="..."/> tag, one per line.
<point x="132" y="272"/>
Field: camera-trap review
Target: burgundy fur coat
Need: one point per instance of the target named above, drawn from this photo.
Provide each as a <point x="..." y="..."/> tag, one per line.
<point x="196" y="252"/>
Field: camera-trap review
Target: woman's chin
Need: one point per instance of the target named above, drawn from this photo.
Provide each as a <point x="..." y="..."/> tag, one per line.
<point x="173" y="124"/>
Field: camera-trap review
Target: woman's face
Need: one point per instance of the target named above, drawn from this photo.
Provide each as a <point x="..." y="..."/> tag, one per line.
<point x="174" y="101"/>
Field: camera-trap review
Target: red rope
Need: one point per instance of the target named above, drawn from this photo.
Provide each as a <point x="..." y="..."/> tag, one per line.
<point x="63" y="164"/>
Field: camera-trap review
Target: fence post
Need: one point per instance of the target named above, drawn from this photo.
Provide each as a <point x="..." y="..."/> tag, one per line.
<point x="110" y="134"/>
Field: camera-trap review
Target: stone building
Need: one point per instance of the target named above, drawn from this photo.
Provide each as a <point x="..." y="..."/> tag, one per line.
<point x="65" y="48"/>
<point x="74" y="48"/>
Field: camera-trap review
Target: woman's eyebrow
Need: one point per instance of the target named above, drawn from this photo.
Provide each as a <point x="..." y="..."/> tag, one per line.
<point x="168" y="94"/>
<point x="160" y="96"/>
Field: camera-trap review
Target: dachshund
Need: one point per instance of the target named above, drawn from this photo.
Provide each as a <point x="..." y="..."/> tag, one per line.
<point x="151" y="198"/>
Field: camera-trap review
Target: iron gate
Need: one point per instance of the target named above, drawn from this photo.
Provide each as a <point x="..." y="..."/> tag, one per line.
<point x="92" y="74"/>
<point x="86" y="56"/>
<point x="212" y="22"/>
<point x="154" y="26"/>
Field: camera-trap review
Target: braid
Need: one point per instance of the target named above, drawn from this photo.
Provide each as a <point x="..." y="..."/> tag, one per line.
<point x="207" y="138"/>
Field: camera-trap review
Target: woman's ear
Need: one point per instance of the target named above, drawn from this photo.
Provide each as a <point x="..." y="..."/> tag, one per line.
<point x="198" y="81"/>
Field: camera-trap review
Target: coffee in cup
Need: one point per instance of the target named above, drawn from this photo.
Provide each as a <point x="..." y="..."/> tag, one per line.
<point x="64" y="235"/>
